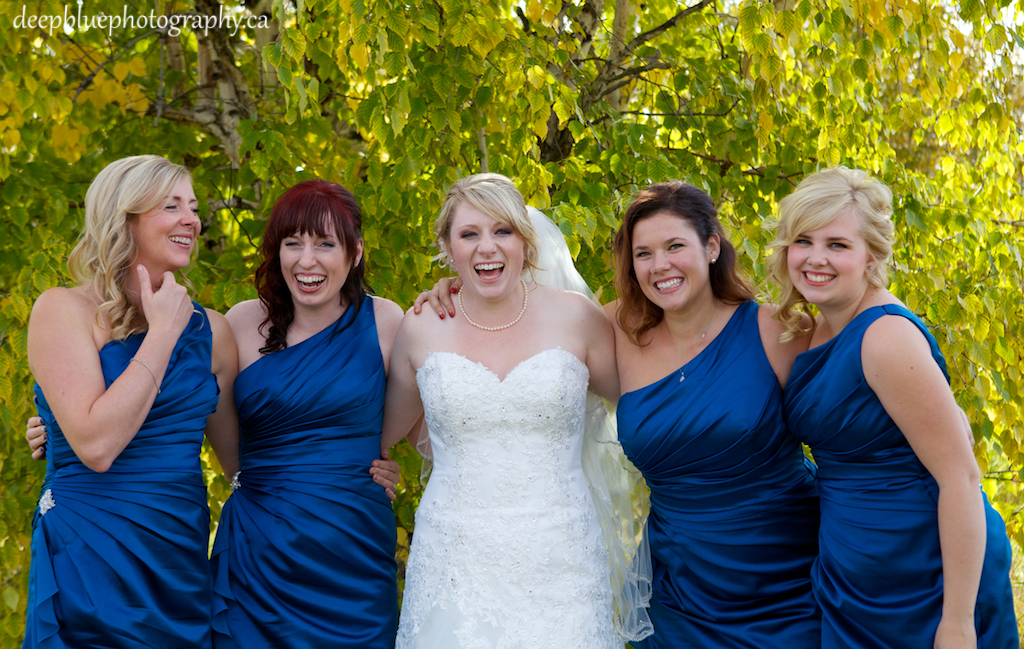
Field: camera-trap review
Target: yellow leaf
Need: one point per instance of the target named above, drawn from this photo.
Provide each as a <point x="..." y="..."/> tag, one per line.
<point x="540" y="127"/>
<point x="765" y="123"/>
<point x="11" y="138"/>
<point x="359" y="56"/>
<point x="535" y="75"/>
<point x="137" y="67"/>
<point x="121" y="70"/>
<point x="534" y="10"/>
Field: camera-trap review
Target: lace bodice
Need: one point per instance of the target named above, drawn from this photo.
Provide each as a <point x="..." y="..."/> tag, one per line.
<point x="507" y="551"/>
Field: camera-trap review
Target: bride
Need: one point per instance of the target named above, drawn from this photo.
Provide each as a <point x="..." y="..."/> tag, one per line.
<point x="508" y="549"/>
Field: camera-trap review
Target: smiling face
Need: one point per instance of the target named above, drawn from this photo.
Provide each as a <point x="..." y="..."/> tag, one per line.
<point x="315" y="268"/>
<point x="164" y="236"/>
<point x="670" y="261"/>
<point x="829" y="266"/>
<point x="487" y="253"/>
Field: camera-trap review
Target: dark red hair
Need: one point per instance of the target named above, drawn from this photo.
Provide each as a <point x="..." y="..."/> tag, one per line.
<point x="638" y="315"/>
<point x="314" y="207"/>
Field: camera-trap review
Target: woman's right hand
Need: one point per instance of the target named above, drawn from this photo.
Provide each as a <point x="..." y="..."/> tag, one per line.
<point x="169" y="309"/>
<point x="35" y="433"/>
<point x="440" y="297"/>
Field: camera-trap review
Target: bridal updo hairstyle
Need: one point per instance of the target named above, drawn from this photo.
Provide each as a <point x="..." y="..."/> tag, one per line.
<point x="497" y="197"/>
<point x="103" y="256"/>
<point x="637" y="315"/>
<point x="312" y="207"/>
<point x="818" y="200"/>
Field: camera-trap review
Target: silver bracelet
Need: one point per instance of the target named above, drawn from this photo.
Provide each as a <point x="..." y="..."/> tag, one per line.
<point x="143" y="363"/>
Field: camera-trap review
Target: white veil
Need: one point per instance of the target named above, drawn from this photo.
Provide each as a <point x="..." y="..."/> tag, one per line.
<point x="615" y="484"/>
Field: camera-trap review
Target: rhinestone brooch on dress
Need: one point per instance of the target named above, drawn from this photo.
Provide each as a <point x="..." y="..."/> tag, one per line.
<point x="236" y="481"/>
<point x="46" y="502"/>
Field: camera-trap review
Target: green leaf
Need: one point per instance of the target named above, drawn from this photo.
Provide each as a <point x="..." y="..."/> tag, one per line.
<point x="272" y="54"/>
<point x="284" y="75"/>
<point x="860" y="69"/>
<point x="750" y="18"/>
<point x="293" y="44"/>
<point x="462" y="32"/>
<point x="785" y="22"/>
<point x="11" y="598"/>
<point x="260" y="164"/>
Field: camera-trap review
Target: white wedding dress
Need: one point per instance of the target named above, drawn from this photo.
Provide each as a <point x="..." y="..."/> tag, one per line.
<point x="507" y="550"/>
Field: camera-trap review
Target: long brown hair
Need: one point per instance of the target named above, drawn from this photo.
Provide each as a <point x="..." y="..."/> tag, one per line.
<point x="310" y="207"/>
<point x="637" y="315"/>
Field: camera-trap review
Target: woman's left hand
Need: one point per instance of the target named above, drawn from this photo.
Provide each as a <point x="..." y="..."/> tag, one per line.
<point x="956" y="635"/>
<point x="387" y="473"/>
<point x="35" y="433"/>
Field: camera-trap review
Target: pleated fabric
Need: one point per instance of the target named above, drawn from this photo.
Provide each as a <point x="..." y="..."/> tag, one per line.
<point x="878" y="578"/>
<point x="734" y="508"/>
<point x="119" y="559"/>
<point x="304" y="554"/>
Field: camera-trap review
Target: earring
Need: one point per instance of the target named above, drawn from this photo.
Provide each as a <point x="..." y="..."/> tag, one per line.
<point x="714" y="260"/>
<point x="869" y="267"/>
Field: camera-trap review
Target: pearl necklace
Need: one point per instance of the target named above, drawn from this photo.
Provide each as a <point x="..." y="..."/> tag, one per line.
<point x="526" y="296"/>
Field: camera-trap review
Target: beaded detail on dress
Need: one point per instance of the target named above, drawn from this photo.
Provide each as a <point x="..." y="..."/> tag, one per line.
<point x="46" y="502"/>
<point x="507" y="550"/>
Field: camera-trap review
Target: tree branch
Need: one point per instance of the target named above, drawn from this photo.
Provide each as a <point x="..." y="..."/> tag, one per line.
<point x="233" y="203"/>
<point x="665" y="26"/>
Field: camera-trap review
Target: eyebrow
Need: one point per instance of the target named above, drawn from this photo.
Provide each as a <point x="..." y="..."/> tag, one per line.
<point x="668" y="241"/>
<point x="804" y="235"/>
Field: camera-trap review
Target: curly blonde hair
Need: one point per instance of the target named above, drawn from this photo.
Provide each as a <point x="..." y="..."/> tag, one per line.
<point x="817" y="201"/>
<point x="103" y="255"/>
<point x="497" y="197"/>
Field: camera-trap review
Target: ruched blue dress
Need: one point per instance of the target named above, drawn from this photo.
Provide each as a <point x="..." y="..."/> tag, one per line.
<point x="119" y="559"/>
<point x="878" y="577"/>
<point x="734" y="509"/>
<point x="304" y="555"/>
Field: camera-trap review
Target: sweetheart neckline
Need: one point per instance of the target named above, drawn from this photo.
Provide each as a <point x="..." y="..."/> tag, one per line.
<point x="502" y="380"/>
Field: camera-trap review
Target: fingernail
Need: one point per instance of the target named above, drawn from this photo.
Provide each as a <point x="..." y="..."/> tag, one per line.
<point x="440" y="314"/>
<point x="452" y="313"/>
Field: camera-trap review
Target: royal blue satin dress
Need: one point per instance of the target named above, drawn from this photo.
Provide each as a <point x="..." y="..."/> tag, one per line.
<point x="734" y="509"/>
<point x="304" y="554"/>
<point x="119" y="559"/>
<point x="878" y="577"/>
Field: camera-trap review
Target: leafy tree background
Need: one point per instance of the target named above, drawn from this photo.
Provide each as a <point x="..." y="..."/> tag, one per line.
<point x="581" y="102"/>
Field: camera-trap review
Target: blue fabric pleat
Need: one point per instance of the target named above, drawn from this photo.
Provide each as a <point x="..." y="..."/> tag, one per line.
<point x="878" y="578"/>
<point x="304" y="554"/>
<point x="734" y="509"/>
<point x="120" y="561"/>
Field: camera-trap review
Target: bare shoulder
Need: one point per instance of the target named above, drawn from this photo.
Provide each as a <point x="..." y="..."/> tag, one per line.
<point x="771" y="329"/>
<point x="781" y="355"/>
<point x="219" y="325"/>
<point x="245" y="318"/>
<point x="415" y="325"/>
<point x="387" y="313"/>
<point x="64" y="302"/>
<point x="246" y="311"/>
<point x="893" y="338"/>
<point x="568" y="303"/>
<point x="225" y="353"/>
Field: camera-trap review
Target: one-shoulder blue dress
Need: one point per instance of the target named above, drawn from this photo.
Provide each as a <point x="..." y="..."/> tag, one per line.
<point x="304" y="554"/>
<point x="734" y="510"/>
<point x="878" y="577"/>
<point x="119" y="559"/>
